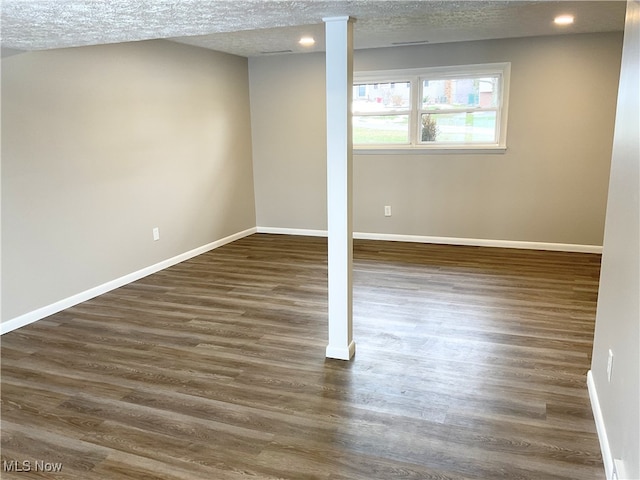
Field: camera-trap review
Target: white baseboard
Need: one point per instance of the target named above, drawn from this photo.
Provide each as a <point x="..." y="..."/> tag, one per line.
<point x="607" y="457"/>
<point x="475" y="242"/>
<point x="63" y="304"/>
<point x="303" y="232"/>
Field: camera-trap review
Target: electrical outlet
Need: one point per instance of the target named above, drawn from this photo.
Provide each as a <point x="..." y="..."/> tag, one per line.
<point x="156" y="234"/>
<point x="387" y="210"/>
<point x="617" y="472"/>
<point x="609" y="365"/>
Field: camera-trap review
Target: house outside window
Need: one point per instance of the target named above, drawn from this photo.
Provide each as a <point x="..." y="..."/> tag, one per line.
<point x="449" y="108"/>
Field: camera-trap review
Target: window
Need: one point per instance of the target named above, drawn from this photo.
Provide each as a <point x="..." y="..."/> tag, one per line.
<point x="381" y="113"/>
<point x="452" y="108"/>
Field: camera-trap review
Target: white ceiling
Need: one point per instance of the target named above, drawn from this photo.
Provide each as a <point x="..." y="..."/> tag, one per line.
<point x="259" y="27"/>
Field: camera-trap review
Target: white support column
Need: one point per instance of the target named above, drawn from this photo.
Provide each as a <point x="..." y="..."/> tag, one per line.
<point x="339" y="71"/>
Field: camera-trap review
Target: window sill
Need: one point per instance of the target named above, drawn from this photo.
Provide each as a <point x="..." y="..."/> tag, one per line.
<point x="411" y="150"/>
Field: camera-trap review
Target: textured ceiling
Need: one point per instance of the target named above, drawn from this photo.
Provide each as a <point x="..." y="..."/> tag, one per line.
<point x="258" y="27"/>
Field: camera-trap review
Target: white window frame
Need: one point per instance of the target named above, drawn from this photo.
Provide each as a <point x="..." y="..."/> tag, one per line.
<point x="415" y="77"/>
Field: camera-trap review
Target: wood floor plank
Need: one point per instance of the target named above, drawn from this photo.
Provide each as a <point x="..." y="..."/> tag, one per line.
<point x="471" y="364"/>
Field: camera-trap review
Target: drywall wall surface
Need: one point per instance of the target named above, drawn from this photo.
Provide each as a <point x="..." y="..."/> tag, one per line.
<point x="288" y="124"/>
<point x="102" y="144"/>
<point x="618" y="314"/>
<point x="549" y="186"/>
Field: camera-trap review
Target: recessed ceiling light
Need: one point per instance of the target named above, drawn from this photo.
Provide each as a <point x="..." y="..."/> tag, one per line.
<point x="307" y="41"/>
<point x="563" y="20"/>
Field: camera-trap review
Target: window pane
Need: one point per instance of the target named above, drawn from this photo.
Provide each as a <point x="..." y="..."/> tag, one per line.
<point x="460" y="93"/>
<point x="381" y="97"/>
<point x="474" y="127"/>
<point x="381" y="129"/>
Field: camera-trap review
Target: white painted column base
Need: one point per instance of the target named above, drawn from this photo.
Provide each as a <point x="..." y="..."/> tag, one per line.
<point x="340" y="352"/>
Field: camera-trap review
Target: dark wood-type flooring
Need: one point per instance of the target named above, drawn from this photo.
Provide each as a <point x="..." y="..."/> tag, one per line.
<point x="470" y="364"/>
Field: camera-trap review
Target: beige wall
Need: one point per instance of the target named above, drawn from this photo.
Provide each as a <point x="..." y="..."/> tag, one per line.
<point x="288" y="126"/>
<point x="550" y="185"/>
<point x="618" y="316"/>
<point x="100" y="145"/>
